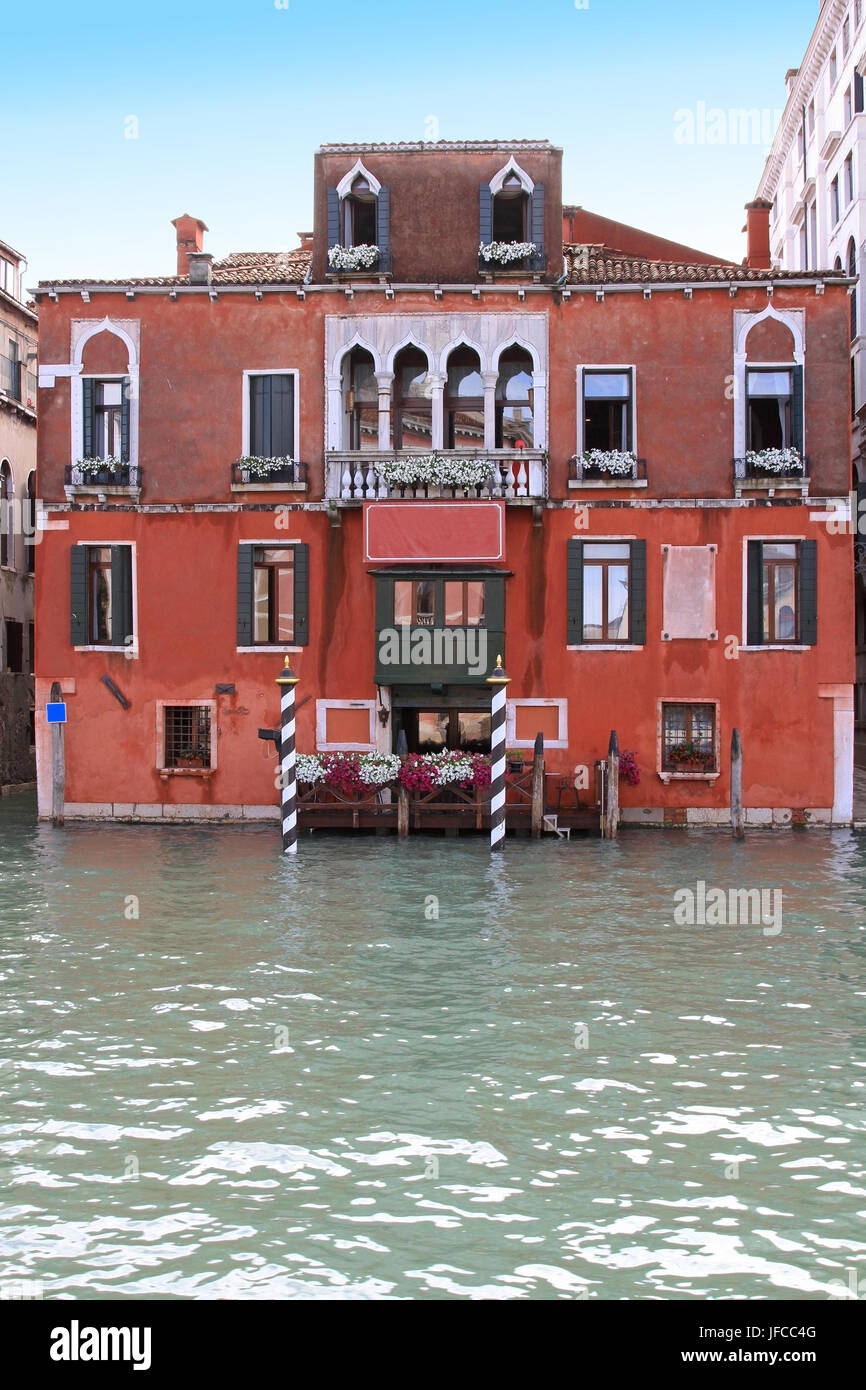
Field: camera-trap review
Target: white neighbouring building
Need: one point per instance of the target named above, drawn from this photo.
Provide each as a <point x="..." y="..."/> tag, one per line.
<point x="815" y="179"/>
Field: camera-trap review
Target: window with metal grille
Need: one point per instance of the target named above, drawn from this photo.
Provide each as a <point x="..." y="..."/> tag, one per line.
<point x="187" y="736"/>
<point x="689" y="738"/>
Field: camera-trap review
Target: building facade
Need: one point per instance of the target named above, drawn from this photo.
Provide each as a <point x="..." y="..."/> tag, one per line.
<point x="435" y="433"/>
<point x="815" y="181"/>
<point x="17" y="493"/>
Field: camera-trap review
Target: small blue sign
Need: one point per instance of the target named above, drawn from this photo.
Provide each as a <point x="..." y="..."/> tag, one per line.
<point x="56" y="714"/>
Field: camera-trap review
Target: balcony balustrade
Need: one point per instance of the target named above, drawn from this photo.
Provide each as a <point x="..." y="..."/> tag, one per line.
<point x="516" y="475"/>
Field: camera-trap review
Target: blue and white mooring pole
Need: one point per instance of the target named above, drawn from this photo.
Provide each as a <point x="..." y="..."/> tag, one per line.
<point x="287" y="680"/>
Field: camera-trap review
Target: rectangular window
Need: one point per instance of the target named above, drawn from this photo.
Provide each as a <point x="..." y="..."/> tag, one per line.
<point x="187" y="736"/>
<point x="273" y="595"/>
<point x="834" y="201"/>
<point x="833" y="69"/>
<point x="105" y="432"/>
<point x="846" y="37"/>
<point x="8" y="277"/>
<point x="14" y="646"/>
<point x="272" y="416"/>
<point x="101" y="595"/>
<point x="689" y="738"/>
<point x="849" y="180"/>
<point x="810" y="118"/>
<point x="858" y="93"/>
<point x="607" y="410"/>
<point x="769" y="396"/>
<point x="606" y="592"/>
<point x="847" y="107"/>
<point x="813" y="236"/>
<point x="464" y="603"/>
<point x="782" y="593"/>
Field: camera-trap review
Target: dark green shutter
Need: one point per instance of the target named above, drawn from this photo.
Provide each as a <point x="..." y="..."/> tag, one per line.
<point x="121" y="594"/>
<point x="245" y="595"/>
<point x="384" y="602"/>
<point x="797" y="411"/>
<point x="126" y="387"/>
<point x="858" y="92"/>
<point x="536" y="224"/>
<point x="282" y="440"/>
<point x="302" y="595"/>
<point x="260" y="416"/>
<point x="334" y="237"/>
<point x="575" y="593"/>
<point x="494" y="605"/>
<point x="383" y="227"/>
<point x="485" y="219"/>
<point x="755" y="594"/>
<point x="808" y="593"/>
<point x="78" y="596"/>
<point x="88" y="433"/>
<point x="637" y="597"/>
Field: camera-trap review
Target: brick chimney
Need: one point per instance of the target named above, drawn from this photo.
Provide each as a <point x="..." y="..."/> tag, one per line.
<point x="758" y="234"/>
<point x="306" y="240"/>
<point x="190" y="237"/>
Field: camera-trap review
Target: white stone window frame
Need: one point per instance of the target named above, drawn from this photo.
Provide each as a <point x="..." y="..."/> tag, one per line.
<point x="8" y="523"/>
<point x="131" y="651"/>
<point x="764" y="646"/>
<point x="581" y="372"/>
<point x="275" y="648"/>
<point x="608" y="646"/>
<point x="383" y="335"/>
<point x="247" y="374"/>
<point x="161" y="707"/>
<point x="322" y="744"/>
<point x="82" y="331"/>
<point x="744" y="321"/>
<point x="344" y="189"/>
<point x="667" y="777"/>
<point x="511" y="707"/>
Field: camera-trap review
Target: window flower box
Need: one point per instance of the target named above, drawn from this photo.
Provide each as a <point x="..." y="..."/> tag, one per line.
<point x="108" y="471"/>
<point x="422" y="470"/>
<point x="252" y="468"/>
<point x="688" y="758"/>
<point x="609" y="463"/>
<point x="504" y="253"/>
<point x="363" y="257"/>
<point x="781" y="463"/>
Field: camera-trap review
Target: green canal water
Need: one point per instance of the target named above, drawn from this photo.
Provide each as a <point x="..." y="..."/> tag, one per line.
<point x="224" y="1075"/>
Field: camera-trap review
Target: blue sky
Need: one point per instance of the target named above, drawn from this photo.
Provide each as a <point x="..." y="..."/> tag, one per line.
<point x="231" y="99"/>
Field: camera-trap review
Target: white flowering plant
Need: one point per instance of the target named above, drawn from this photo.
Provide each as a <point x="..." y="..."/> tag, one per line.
<point x="347" y="771"/>
<point x="420" y="469"/>
<point x="259" y="467"/>
<point x="503" y="252"/>
<point x="362" y="257"/>
<point x="775" y="461"/>
<point x="110" y="464"/>
<point x="618" y="463"/>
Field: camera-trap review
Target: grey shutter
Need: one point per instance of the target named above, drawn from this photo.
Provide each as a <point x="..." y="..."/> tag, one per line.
<point x="485" y="214"/>
<point x="637" y="596"/>
<point x="126" y="387"/>
<point x="797" y="411"/>
<point x="536" y="224"/>
<point x="282" y="441"/>
<point x="78" y="596"/>
<point x="121" y="594"/>
<point x="334" y="238"/>
<point x="88" y="432"/>
<point x="858" y="92"/>
<point x="575" y="593"/>
<point x="808" y="593"/>
<point x="260" y="416"/>
<point x="245" y="595"/>
<point x="302" y="595"/>
<point x="383" y="227"/>
<point x="755" y="594"/>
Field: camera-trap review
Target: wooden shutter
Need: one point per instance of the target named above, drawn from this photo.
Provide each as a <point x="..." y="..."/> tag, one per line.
<point x="78" y="596"/>
<point x="485" y="218"/>
<point x="88" y="413"/>
<point x="536" y="224"/>
<point x="121" y="594"/>
<point x="755" y="594"/>
<point x="858" y="92"/>
<point x="575" y="593"/>
<point x="260" y="416"/>
<point x="334" y="238"/>
<point x="808" y="593"/>
<point x="245" y="595"/>
<point x="282" y="408"/>
<point x="797" y="429"/>
<point x="637" y="593"/>
<point x="302" y="595"/>
<point x="126" y="387"/>
<point x="383" y="227"/>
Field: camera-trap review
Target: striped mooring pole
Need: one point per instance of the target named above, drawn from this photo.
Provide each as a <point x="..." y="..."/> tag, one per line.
<point x="497" y="682"/>
<point x="287" y="680"/>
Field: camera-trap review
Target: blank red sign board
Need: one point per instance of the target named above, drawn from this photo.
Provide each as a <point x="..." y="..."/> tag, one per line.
<point x="423" y="532"/>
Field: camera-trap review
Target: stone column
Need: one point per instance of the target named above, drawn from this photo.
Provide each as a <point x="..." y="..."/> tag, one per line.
<point x="436" y="388"/>
<point x="384" y="380"/>
<point x="490" y="379"/>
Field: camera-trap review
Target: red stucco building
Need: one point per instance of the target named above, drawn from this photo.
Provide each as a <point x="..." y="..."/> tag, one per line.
<point x="433" y="432"/>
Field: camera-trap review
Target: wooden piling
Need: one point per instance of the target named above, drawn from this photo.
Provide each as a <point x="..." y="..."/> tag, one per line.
<point x="402" y="812"/>
<point x="58" y="762"/>
<point x="538" y="788"/>
<point x="611" y="809"/>
<point x="738" y="819"/>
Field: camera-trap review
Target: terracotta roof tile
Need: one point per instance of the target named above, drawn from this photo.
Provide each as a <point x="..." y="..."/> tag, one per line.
<point x="600" y="265"/>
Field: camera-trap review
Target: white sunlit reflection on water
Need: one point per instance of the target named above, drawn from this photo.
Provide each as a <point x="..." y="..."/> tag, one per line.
<point x="296" y="1079"/>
